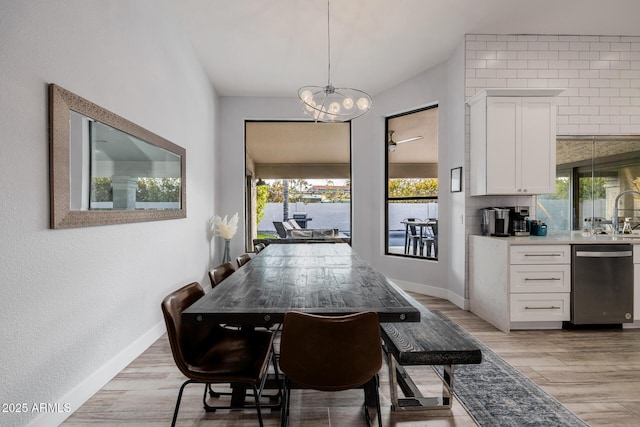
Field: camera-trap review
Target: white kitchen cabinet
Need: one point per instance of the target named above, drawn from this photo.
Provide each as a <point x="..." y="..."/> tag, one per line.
<point x="519" y="286"/>
<point x="513" y="141"/>
<point x="540" y="283"/>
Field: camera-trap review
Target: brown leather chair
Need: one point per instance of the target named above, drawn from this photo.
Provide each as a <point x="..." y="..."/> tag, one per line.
<point x="243" y="259"/>
<point x="221" y="272"/>
<point x="210" y="354"/>
<point x="259" y="247"/>
<point x="331" y="354"/>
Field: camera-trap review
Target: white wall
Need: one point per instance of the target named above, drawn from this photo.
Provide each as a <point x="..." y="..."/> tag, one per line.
<point x="443" y="85"/>
<point x="77" y="305"/>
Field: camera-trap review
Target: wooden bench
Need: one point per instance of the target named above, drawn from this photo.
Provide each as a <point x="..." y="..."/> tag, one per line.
<point x="432" y="341"/>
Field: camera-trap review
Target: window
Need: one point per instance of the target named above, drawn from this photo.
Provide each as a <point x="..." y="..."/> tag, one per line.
<point x="590" y="173"/>
<point x="411" y="189"/>
<point x="297" y="171"/>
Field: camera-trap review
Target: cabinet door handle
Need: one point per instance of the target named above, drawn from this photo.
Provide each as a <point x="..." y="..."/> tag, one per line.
<point x="542" y="254"/>
<point x="541" y="278"/>
<point x="553" y="307"/>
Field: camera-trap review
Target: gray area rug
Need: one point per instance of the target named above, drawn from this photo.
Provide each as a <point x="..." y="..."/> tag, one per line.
<point x="494" y="394"/>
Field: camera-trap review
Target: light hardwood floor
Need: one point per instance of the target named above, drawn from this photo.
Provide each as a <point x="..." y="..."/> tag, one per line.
<point x="596" y="374"/>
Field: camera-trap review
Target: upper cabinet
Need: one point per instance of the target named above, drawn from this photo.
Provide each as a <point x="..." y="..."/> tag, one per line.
<point x="513" y="141"/>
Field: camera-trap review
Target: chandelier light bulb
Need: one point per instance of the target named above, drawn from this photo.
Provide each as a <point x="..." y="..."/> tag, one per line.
<point x="334" y="108"/>
<point x="347" y="103"/>
<point x="306" y="96"/>
<point x="363" y="103"/>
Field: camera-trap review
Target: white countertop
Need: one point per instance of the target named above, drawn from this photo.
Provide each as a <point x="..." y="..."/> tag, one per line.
<point x="569" y="237"/>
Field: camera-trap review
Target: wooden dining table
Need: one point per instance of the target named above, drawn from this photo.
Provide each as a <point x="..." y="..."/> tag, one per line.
<point x="319" y="278"/>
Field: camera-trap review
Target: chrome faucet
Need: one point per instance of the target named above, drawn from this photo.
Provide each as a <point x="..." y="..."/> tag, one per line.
<point x="614" y="221"/>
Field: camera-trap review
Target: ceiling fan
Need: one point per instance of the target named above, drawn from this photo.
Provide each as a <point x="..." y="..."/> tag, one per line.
<point x="391" y="144"/>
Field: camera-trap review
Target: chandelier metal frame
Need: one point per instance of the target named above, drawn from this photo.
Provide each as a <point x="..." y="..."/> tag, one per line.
<point x="329" y="103"/>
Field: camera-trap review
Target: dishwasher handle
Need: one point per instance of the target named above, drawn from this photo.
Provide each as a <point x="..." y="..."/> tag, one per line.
<point x="604" y="254"/>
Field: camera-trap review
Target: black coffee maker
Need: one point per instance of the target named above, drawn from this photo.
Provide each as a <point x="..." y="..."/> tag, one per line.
<point x="518" y="224"/>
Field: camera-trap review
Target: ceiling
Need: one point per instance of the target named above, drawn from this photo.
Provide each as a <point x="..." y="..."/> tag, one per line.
<point x="271" y="48"/>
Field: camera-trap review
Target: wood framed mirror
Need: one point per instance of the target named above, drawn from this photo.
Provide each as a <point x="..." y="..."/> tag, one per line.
<point x="105" y="169"/>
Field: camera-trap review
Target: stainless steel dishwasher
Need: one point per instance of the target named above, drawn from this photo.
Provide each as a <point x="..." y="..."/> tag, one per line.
<point x="601" y="284"/>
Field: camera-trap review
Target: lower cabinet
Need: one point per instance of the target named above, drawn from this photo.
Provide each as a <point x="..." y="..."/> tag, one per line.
<point x="540" y="283"/>
<point x="519" y="286"/>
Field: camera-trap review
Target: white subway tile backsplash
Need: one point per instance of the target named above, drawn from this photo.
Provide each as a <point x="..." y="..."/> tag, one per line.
<point x="620" y="47"/>
<point x="609" y="56"/>
<point x="527" y="74"/>
<point x="517" y="83"/>
<point x="589" y="74"/>
<point x="486" y="37"/>
<point x="578" y="82"/>
<point x="537" y="64"/>
<point x="620" y="65"/>
<point x="599" y="83"/>
<point x="496" y="63"/>
<point x="599" y="65"/>
<point x="620" y="101"/>
<point x="578" y="65"/>
<point x="567" y="74"/>
<point x="609" y="129"/>
<point x="537" y="83"/>
<point x="578" y="46"/>
<point x="548" y="74"/>
<point x="519" y="45"/>
<point x="506" y="74"/>
<point x="559" y="45"/>
<point x="559" y="64"/>
<point x="589" y="110"/>
<point x="589" y="56"/>
<point x="496" y="45"/>
<point x="620" y="120"/>
<point x="609" y="74"/>
<point x="517" y="64"/>
<point x="485" y="73"/>
<point x="496" y="82"/>
<point x="600" y="75"/>
<point x="568" y="54"/>
<point x="588" y="129"/>
<point x="538" y="45"/>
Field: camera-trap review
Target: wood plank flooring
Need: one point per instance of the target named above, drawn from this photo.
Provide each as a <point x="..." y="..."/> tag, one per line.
<point x="596" y="374"/>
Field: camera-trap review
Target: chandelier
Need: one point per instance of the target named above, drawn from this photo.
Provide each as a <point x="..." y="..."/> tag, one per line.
<point x="333" y="104"/>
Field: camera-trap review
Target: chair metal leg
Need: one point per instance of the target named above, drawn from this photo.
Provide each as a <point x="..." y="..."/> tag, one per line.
<point x="256" y="395"/>
<point x="372" y="387"/>
<point x="284" y="414"/>
<point x="175" y="411"/>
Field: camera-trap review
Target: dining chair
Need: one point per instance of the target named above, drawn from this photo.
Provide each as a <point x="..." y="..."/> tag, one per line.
<point x="430" y="239"/>
<point x="412" y="236"/>
<point x="207" y="353"/>
<point x="331" y="353"/>
<point x="243" y="259"/>
<point x="221" y="272"/>
<point x="259" y="247"/>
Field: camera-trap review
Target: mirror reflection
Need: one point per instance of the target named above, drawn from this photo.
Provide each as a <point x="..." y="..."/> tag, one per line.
<point x="107" y="170"/>
<point x="125" y="172"/>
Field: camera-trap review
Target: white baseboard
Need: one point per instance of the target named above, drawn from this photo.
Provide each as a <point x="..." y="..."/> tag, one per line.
<point x="91" y="385"/>
<point x="433" y="291"/>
